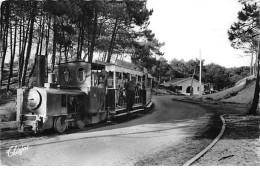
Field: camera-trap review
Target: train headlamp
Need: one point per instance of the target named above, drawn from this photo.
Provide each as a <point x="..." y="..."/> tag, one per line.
<point x="34" y="99"/>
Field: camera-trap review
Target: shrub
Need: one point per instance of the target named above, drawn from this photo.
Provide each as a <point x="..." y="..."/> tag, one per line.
<point x="8" y="112"/>
<point x="209" y="98"/>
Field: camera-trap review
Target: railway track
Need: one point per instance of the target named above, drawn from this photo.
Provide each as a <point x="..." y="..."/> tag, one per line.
<point x="197" y="157"/>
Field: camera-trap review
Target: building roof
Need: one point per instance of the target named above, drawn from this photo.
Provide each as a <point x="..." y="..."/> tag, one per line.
<point x="177" y="81"/>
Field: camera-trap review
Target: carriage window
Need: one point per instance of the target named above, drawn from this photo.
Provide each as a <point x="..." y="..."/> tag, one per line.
<point x="144" y="82"/>
<point x="63" y="100"/>
<point x="66" y="75"/>
<point x="139" y="78"/>
<point x="81" y="74"/>
<point x="119" y="79"/>
<point x="110" y="80"/>
<point x="134" y="78"/>
<point x="95" y="78"/>
<point x="149" y="82"/>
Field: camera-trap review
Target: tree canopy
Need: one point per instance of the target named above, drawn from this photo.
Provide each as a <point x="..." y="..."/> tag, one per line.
<point x="214" y="74"/>
<point x="244" y="34"/>
<point x="69" y="30"/>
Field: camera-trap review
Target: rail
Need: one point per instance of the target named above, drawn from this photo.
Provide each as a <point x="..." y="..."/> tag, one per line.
<point x="191" y="161"/>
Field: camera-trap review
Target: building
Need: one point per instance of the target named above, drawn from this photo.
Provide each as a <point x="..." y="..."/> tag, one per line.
<point x="183" y="85"/>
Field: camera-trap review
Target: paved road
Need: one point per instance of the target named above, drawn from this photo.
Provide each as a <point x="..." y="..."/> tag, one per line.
<point x="121" y="144"/>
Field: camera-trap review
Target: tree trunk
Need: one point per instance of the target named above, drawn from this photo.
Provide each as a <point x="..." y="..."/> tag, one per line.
<point x="159" y="79"/>
<point x="110" y="51"/>
<point x="78" y="47"/>
<point x="39" y="39"/>
<point x="60" y="48"/>
<point x="20" y="38"/>
<point x="82" y="41"/>
<point x="12" y="55"/>
<point x="21" y="56"/>
<point x="1" y="33"/>
<point x="65" y="45"/>
<point x="28" y="52"/>
<point x="92" y="46"/>
<point x="1" y="25"/>
<point x="87" y="55"/>
<point x="255" y="102"/>
<point x="47" y="38"/>
<point x="42" y="35"/>
<point x="251" y="63"/>
<point x="54" y="44"/>
<point x="5" y="39"/>
<point x="88" y="48"/>
<point x="47" y="44"/>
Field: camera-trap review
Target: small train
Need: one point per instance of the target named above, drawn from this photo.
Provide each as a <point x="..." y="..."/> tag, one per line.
<point x="80" y="94"/>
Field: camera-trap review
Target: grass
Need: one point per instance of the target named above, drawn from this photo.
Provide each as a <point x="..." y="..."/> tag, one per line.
<point x="229" y="93"/>
<point x="8" y="112"/>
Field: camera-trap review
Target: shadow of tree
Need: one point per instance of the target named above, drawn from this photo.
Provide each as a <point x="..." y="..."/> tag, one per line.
<point x="238" y="124"/>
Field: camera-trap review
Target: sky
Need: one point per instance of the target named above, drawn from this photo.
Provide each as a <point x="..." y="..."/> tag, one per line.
<point x="186" y="26"/>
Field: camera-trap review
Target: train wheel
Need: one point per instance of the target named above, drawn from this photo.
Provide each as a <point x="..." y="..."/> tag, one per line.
<point x="80" y="124"/>
<point x="60" y="124"/>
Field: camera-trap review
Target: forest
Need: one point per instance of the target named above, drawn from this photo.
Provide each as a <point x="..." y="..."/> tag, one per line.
<point x="67" y="30"/>
<point x="214" y="74"/>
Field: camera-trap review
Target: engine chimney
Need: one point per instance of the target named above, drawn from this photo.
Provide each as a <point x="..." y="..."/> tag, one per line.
<point x="40" y="69"/>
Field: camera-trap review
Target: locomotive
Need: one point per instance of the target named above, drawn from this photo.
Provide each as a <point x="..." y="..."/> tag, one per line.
<point x="80" y="94"/>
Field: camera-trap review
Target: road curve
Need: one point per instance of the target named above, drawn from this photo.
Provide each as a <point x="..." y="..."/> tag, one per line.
<point x="120" y="144"/>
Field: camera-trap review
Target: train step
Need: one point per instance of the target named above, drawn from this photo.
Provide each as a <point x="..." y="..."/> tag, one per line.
<point x="133" y="111"/>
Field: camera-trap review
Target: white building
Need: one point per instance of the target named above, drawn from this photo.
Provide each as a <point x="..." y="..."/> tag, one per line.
<point x="183" y="85"/>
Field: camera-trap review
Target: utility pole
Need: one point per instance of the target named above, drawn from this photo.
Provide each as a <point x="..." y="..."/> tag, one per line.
<point x="200" y="92"/>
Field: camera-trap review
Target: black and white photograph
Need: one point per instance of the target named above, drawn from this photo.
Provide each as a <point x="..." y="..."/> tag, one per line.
<point x="129" y="83"/>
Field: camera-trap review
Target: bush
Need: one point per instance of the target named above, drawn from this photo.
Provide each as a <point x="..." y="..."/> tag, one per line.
<point x="8" y="112"/>
<point x="209" y="98"/>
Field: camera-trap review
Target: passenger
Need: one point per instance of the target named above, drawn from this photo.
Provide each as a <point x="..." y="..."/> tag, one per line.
<point x="120" y="95"/>
<point x="71" y="104"/>
<point x="102" y="79"/>
<point x="102" y="84"/>
<point x="120" y="89"/>
<point x="130" y="94"/>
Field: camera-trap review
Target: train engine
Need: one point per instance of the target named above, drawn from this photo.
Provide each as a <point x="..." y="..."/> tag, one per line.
<point x="70" y="100"/>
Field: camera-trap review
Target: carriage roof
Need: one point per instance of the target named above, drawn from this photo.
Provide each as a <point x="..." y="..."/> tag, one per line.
<point x="119" y="66"/>
<point x="64" y="91"/>
<point x="122" y="66"/>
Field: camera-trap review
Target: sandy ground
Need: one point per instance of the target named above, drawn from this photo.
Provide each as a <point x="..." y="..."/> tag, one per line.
<point x="240" y="145"/>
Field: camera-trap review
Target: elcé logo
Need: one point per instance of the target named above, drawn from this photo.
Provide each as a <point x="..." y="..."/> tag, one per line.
<point x="15" y="150"/>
